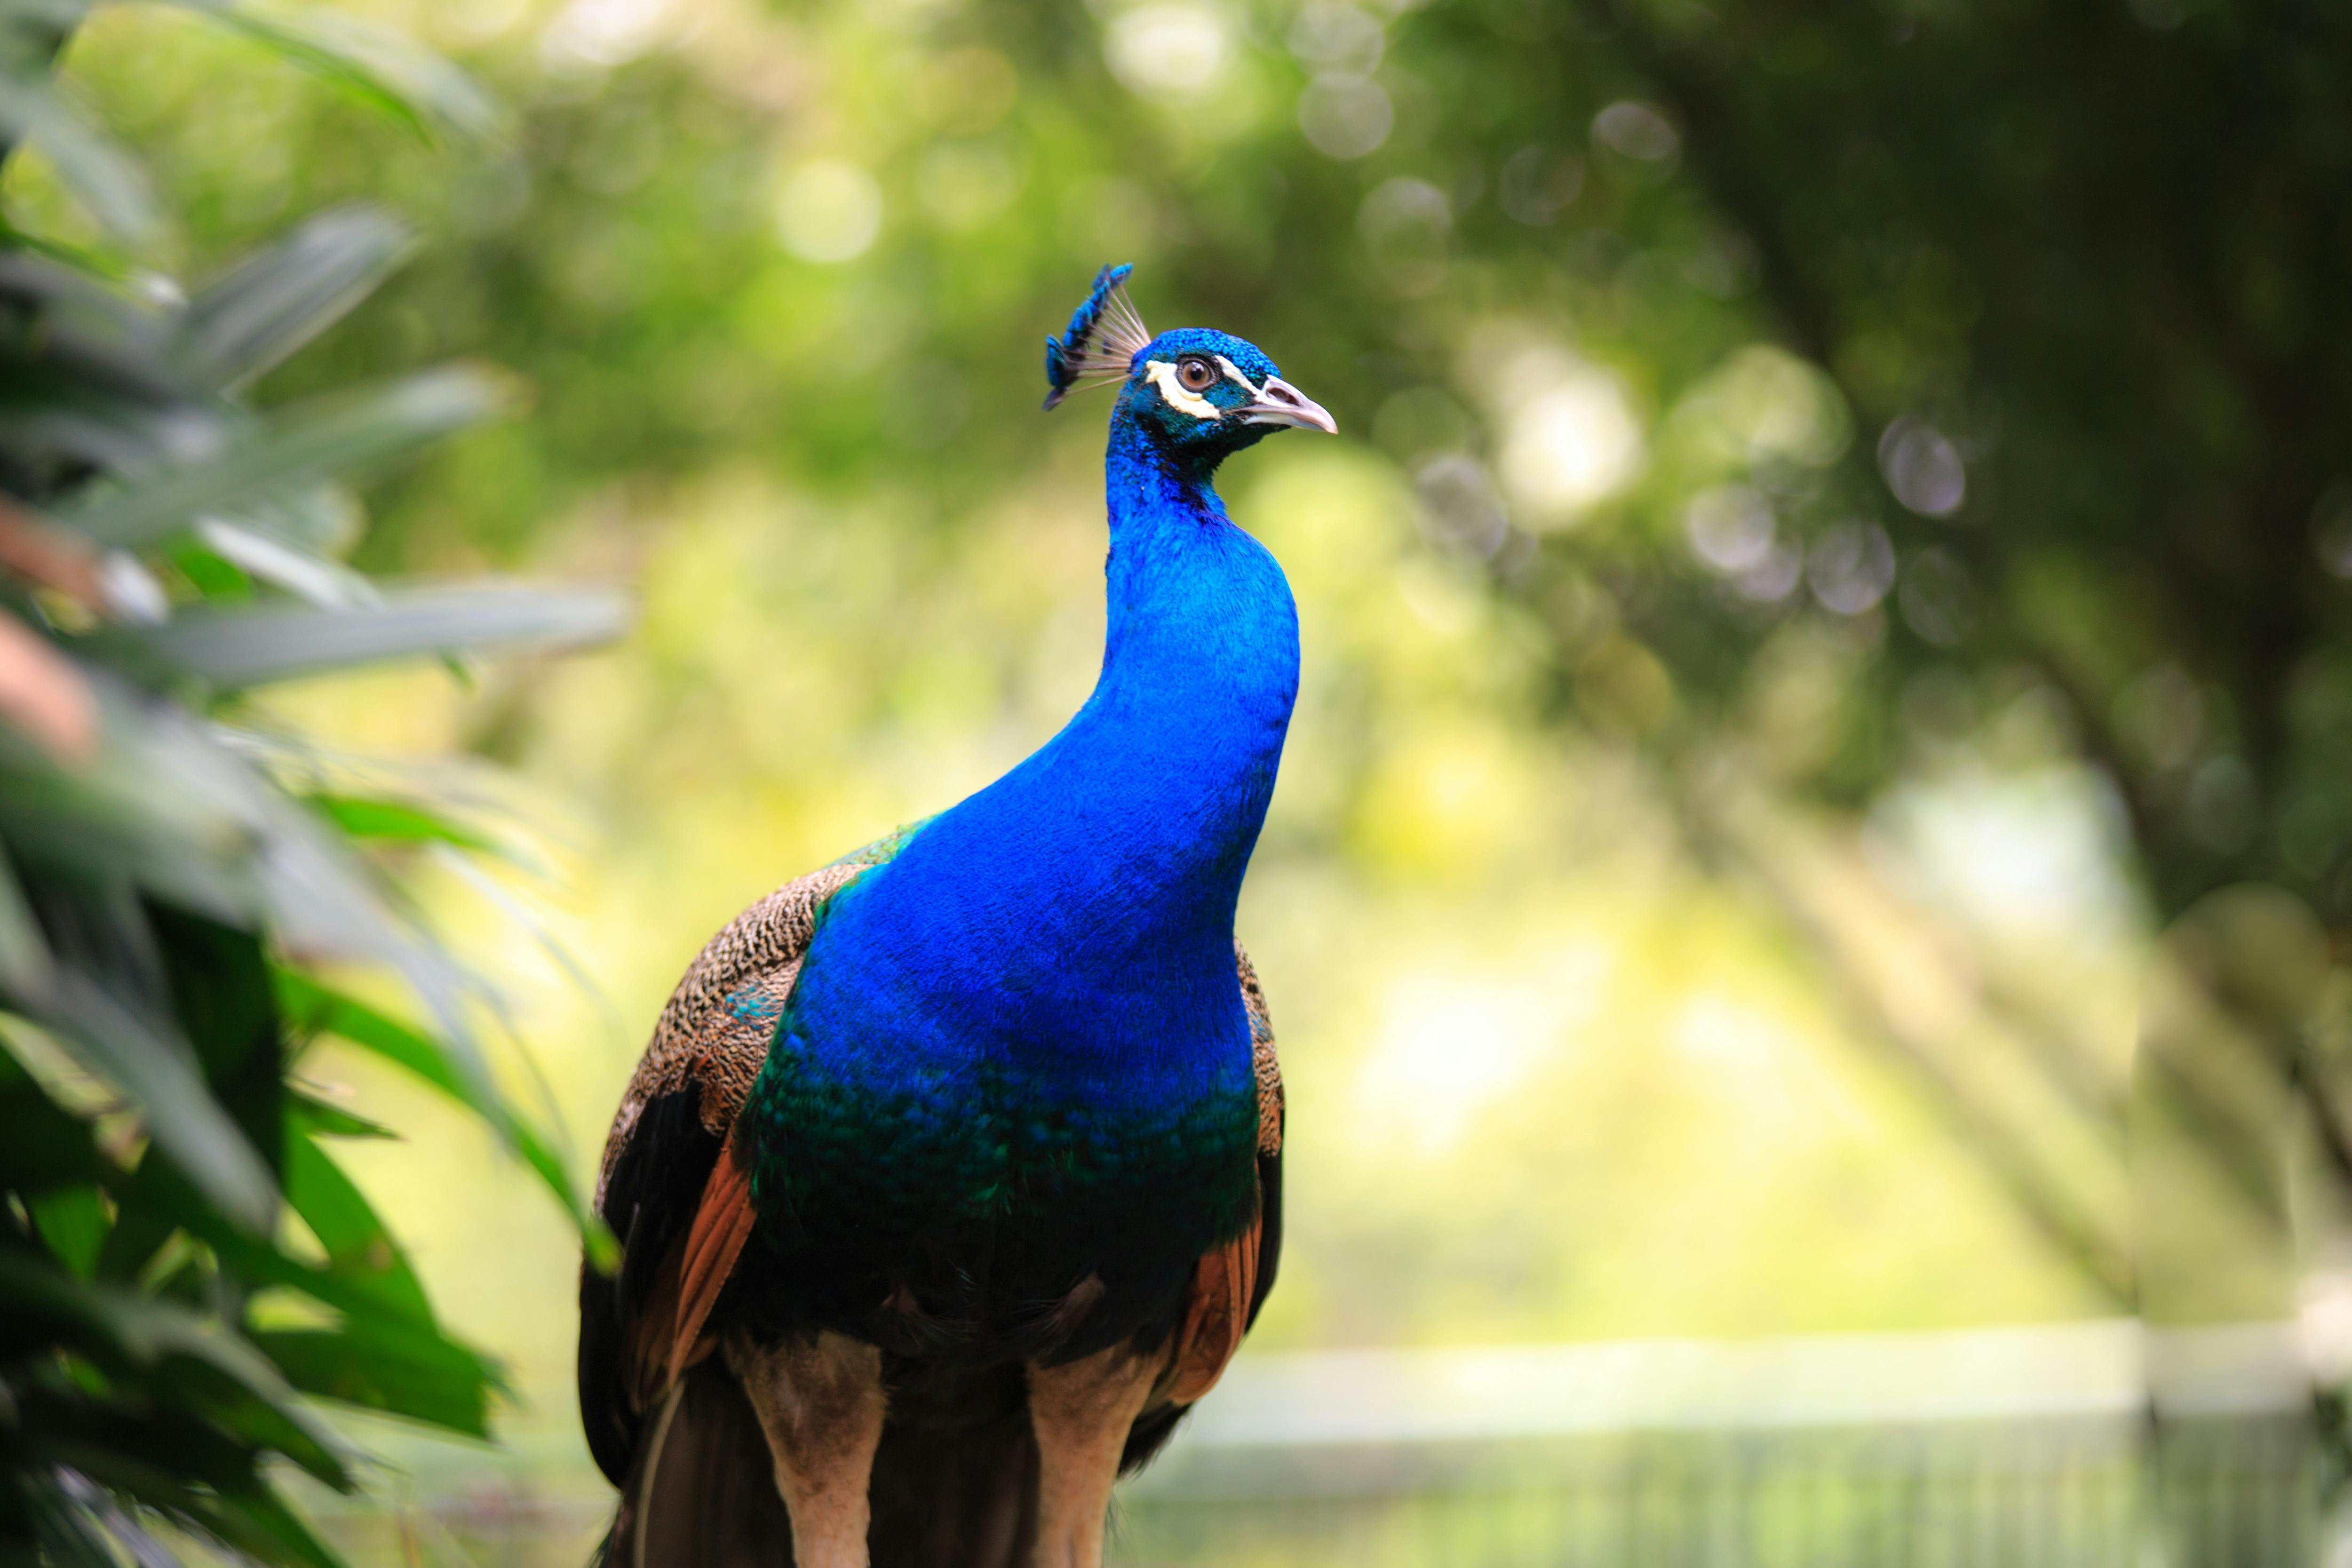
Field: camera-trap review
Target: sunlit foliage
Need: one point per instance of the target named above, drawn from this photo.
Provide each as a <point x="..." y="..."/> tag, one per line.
<point x="1832" y="550"/>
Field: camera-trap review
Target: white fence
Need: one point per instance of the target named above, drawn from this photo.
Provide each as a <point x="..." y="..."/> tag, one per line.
<point x="2089" y="1443"/>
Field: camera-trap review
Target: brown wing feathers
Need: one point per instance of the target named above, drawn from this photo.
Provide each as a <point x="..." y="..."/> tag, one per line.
<point x="1227" y="1288"/>
<point x="713" y="1032"/>
<point x="643" y="1333"/>
<point x="665" y="1185"/>
<point x="723" y="1224"/>
<point x="1223" y="1287"/>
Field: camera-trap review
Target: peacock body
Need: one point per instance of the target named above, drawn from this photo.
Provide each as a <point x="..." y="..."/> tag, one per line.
<point x="953" y="1176"/>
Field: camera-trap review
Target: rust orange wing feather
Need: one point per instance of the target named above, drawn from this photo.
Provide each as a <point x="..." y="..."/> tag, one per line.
<point x="723" y="1224"/>
<point x="1231" y="1282"/>
<point x="670" y="1186"/>
<point x="1215" y="1317"/>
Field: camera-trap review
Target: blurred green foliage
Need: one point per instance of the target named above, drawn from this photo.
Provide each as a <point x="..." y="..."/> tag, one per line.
<point x="2051" y="314"/>
<point x="183" y="1258"/>
<point x="1841" y="535"/>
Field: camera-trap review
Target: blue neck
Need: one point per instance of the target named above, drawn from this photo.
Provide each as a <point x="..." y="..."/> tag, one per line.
<point x="1074" y="921"/>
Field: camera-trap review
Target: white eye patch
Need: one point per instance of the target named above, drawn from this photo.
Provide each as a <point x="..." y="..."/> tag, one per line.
<point x="1162" y="374"/>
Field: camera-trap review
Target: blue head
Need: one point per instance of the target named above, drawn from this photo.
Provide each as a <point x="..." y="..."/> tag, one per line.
<point x="1194" y="394"/>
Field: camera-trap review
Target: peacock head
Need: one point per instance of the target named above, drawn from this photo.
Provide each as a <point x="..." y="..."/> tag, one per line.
<point x="1194" y="393"/>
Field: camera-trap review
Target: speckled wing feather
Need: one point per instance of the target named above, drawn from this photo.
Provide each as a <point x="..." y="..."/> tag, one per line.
<point x="1262" y="1059"/>
<point x="667" y="1154"/>
<point x="713" y="1032"/>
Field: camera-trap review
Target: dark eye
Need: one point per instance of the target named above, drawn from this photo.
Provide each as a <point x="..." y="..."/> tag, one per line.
<point x="1195" y="374"/>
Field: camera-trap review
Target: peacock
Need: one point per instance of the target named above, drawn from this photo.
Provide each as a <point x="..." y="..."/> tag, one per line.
<point x="952" y="1174"/>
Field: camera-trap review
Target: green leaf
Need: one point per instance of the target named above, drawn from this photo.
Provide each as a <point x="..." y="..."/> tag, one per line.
<point x="25" y="969"/>
<point x="212" y="574"/>
<point x="251" y="317"/>
<point x="150" y="1206"/>
<point x="69" y="1531"/>
<point x="57" y="16"/>
<point x="158" y="1463"/>
<point x="374" y="66"/>
<point x="356" y="1240"/>
<point x="257" y="1522"/>
<point x="42" y="1147"/>
<point x="252" y="646"/>
<point x="113" y="1519"/>
<point x="279" y="1423"/>
<point x="400" y="1374"/>
<point x="101" y="175"/>
<point x="386" y="1352"/>
<point x="159" y="1076"/>
<point x="226" y="1007"/>
<point x="323" y="521"/>
<point x="73" y="1223"/>
<point x="329" y="1120"/>
<point x="308" y="577"/>
<point x="293" y="450"/>
<point x="365" y="817"/>
<point x="134" y="1333"/>
<point x="313" y="1008"/>
<point x="161" y="1199"/>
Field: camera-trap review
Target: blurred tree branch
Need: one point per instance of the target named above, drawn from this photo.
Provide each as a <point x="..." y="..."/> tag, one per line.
<point x="2012" y="1095"/>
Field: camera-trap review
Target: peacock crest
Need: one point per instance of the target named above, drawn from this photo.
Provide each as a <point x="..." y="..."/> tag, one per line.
<point x="1105" y="333"/>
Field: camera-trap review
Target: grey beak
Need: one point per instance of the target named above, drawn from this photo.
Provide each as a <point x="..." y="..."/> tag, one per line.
<point x="1280" y="403"/>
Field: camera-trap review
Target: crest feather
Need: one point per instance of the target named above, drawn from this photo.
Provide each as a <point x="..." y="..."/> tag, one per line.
<point x="1104" y="334"/>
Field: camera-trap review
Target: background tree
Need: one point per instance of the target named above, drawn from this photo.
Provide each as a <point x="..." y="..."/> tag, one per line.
<point x="1778" y="420"/>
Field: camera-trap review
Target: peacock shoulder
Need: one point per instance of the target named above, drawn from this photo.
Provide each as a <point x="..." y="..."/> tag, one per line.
<point x="1265" y="1066"/>
<point x="713" y="1033"/>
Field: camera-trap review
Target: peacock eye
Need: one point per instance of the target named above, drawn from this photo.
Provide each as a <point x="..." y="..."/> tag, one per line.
<point x="1195" y="374"/>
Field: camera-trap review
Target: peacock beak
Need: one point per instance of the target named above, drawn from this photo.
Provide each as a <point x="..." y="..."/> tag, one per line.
<point x="1280" y="403"/>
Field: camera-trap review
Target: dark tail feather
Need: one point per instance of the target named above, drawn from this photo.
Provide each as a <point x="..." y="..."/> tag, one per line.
<point x="701" y="1492"/>
<point x="966" y="1501"/>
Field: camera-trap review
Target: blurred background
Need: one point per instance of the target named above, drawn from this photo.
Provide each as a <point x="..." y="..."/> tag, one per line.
<point x="1803" y="904"/>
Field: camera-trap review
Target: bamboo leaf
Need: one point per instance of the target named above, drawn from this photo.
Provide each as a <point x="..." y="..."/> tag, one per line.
<point x="294" y="450"/>
<point x="400" y="821"/>
<point x="25" y="968"/>
<point x="310" y="1006"/>
<point x="42" y="1148"/>
<point x="326" y="583"/>
<point x="356" y="1240"/>
<point x="160" y="1077"/>
<point x="101" y="1509"/>
<point x="329" y="1120"/>
<point x="378" y="67"/>
<point x="251" y="317"/>
<point x="400" y="1374"/>
<point x="72" y="1223"/>
<point x="100" y="175"/>
<point x="253" y="646"/>
<point x="257" y="1523"/>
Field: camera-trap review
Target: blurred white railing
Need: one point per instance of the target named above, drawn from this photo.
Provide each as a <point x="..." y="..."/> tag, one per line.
<point x="2110" y="1369"/>
<point x="2045" y="1447"/>
<point x="2063" y="1446"/>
